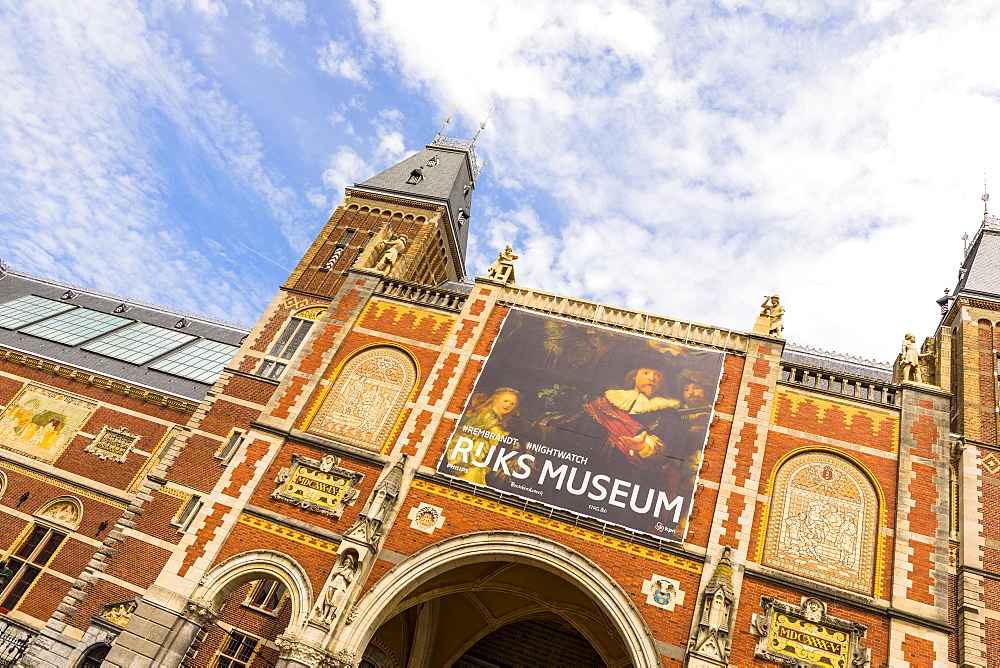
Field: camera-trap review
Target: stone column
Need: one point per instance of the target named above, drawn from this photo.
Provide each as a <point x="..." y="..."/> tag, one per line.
<point x="920" y="572"/>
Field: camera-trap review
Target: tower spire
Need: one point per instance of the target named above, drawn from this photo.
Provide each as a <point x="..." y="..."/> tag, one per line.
<point x="447" y="120"/>
<point x="482" y="126"/>
<point x="986" y="199"/>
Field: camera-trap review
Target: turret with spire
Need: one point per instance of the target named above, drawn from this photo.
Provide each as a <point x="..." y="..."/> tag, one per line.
<point x="421" y="207"/>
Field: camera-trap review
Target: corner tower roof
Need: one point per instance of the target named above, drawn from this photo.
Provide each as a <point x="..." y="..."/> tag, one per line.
<point x="980" y="273"/>
<point x="445" y="171"/>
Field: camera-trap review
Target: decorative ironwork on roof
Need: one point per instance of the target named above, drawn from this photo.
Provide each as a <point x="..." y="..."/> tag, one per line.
<point x="833" y="361"/>
<point x="467" y="145"/>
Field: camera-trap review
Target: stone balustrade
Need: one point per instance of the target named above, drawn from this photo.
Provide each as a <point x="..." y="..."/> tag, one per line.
<point x="421" y="294"/>
<point x="855" y="387"/>
<point x="636" y="322"/>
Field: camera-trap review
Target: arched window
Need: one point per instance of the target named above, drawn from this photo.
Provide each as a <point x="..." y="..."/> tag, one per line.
<point x="94" y="658"/>
<point x="823" y="521"/>
<point x="367" y="398"/>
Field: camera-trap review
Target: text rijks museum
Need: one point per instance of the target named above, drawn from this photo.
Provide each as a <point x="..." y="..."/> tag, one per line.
<point x="400" y="467"/>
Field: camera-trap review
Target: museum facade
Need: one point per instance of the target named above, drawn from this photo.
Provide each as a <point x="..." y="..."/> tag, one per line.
<point x="400" y="467"/>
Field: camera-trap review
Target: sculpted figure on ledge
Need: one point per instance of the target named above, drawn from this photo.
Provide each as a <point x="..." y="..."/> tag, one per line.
<point x="503" y="268"/>
<point x="775" y="314"/>
<point x="390" y="254"/>
<point x="333" y="597"/>
<point x="909" y="360"/>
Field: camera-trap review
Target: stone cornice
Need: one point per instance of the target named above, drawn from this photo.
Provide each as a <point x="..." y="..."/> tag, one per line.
<point x="636" y="322"/>
<point x="97" y="380"/>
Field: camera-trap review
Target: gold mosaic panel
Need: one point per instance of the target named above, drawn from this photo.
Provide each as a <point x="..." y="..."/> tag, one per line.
<point x="823" y="521"/>
<point x="364" y="402"/>
<point x="41" y="421"/>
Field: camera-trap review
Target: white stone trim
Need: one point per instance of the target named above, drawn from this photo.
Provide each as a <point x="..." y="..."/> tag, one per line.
<point x="221" y="581"/>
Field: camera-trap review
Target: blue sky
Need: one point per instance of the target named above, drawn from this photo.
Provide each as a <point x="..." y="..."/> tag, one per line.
<point x="684" y="158"/>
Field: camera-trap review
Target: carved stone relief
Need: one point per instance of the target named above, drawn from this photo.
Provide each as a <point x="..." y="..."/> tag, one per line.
<point x="113" y="444"/>
<point x="367" y="397"/>
<point x="118" y="613"/>
<point x="367" y="529"/>
<point x="710" y="643"/>
<point x="663" y="592"/>
<point x="823" y="521"/>
<point x="64" y="511"/>
<point x="320" y="486"/>
<point x="292" y="647"/>
<point x="426" y="518"/>
<point x="804" y="636"/>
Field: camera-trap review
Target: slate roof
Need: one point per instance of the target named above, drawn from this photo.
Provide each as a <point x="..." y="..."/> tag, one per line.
<point x="15" y="284"/>
<point x="444" y="182"/>
<point x="981" y="270"/>
<point x="838" y="362"/>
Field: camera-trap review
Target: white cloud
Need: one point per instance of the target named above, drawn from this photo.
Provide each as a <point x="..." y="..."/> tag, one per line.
<point x="823" y="150"/>
<point x="292" y="12"/>
<point x="268" y="51"/>
<point x="340" y="60"/>
<point x="344" y="168"/>
<point x="83" y="92"/>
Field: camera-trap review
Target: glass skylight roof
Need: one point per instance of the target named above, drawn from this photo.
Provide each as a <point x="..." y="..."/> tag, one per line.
<point x="202" y="361"/>
<point x="139" y="343"/>
<point x="26" y="310"/>
<point x="76" y="326"/>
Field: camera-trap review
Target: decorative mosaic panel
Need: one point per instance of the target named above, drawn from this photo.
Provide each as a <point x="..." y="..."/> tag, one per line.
<point x="363" y="404"/>
<point x="663" y="592"/>
<point x="40" y="421"/>
<point x="426" y="518"/>
<point x="114" y="444"/>
<point x="823" y="521"/>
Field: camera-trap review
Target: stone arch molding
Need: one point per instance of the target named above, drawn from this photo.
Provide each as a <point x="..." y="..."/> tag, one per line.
<point x="226" y="577"/>
<point x="380" y="602"/>
<point x="64" y="510"/>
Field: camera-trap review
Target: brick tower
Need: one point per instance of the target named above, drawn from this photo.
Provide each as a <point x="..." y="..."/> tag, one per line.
<point x="401" y="233"/>
<point x="969" y="340"/>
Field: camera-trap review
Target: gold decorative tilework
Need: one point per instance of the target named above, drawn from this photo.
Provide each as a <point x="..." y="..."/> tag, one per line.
<point x="41" y="421"/>
<point x="61" y="484"/>
<point x="884" y="423"/>
<point x="608" y="542"/>
<point x="991" y="463"/>
<point x="288" y="533"/>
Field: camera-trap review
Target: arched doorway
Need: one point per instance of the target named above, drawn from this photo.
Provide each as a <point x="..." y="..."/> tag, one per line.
<point x="499" y="600"/>
<point x="94" y="657"/>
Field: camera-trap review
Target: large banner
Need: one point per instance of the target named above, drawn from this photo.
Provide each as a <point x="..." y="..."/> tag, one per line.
<point x="590" y="420"/>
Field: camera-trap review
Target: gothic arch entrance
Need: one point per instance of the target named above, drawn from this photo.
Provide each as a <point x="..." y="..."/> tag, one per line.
<point x="498" y="598"/>
<point x="242" y="605"/>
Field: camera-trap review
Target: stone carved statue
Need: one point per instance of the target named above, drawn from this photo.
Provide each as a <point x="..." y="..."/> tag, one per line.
<point x="368" y="527"/>
<point x="503" y="269"/>
<point x="712" y="638"/>
<point x="775" y="314"/>
<point x="335" y="592"/>
<point x="393" y="248"/>
<point x="909" y="360"/>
